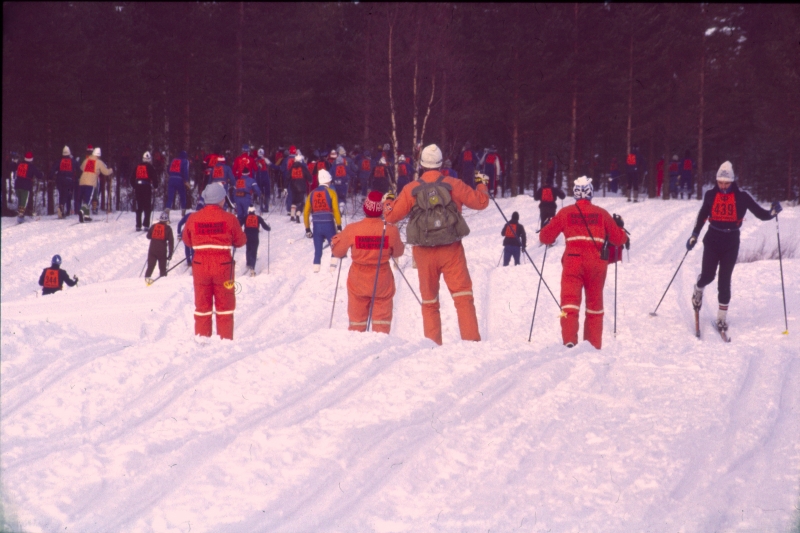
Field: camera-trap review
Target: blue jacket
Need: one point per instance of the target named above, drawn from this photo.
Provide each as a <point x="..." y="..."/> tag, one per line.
<point x="55" y="278"/>
<point x="179" y="168"/>
<point x="65" y="168"/>
<point x="222" y="173"/>
<point x="245" y="188"/>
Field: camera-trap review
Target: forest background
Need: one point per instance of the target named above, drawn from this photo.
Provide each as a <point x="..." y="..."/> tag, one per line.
<point x="577" y="83"/>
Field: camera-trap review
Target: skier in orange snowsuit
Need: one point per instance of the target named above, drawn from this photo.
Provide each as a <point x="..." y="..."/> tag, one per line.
<point x="212" y="232"/>
<point x="585" y="227"/>
<point x="446" y="260"/>
<point x="364" y="237"/>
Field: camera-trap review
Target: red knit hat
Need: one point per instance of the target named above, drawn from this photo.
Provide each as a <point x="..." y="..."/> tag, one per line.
<point x="292" y="149"/>
<point x="28" y="156"/>
<point x="373" y="205"/>
<point x="90" y="148"/>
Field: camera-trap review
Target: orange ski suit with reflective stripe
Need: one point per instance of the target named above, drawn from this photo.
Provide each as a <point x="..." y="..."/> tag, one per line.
<point x="364" y="238"/>
<point x="448" y="260"/>
<point x="583" y="269"/>
<point x="212" y="232"/>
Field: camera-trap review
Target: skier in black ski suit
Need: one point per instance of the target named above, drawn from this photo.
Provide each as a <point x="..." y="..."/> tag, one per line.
<point x="724" y="206"/>
<point x="251" y="224"/>
<point x="514" y="239"/>
<point x="546" y="196"/>
<point x="54" y="277"/>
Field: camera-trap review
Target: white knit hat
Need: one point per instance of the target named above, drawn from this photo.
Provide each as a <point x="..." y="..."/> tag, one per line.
<point x="324" y="177"/>
<point x="147" y="157"/>
<point x="96" y="152"/>
<point x="725" y="172"/>
<point x="431" y="157"/>
<point x="65" y="152"/>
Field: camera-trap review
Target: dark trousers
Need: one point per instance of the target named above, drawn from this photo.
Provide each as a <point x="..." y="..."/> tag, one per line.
<point x="154" y="257"/>
<point x="545" y="212"/>
<point x="719" y="251"/>
<point x="64" y="194"/>
<point x="508" y="253"/>
<point x="144" y="201"/>
<point x="251" y="251"/>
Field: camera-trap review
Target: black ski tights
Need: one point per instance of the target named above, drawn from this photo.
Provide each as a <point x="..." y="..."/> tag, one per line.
<point x="719" y="250"/>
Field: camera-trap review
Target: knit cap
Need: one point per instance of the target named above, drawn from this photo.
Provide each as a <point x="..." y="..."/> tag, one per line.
<point x="373" y="205"/>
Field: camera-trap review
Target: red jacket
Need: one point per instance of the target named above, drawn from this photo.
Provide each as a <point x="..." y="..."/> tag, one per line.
<point x="213" y="229"/>
<point x="576" y="231"/>
<point x="241" y="162"/>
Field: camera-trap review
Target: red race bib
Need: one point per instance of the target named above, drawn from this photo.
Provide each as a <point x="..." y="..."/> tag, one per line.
<point x="724" y="208"/>
<point x="365" y="165"/>
<point x="297" y="173"/>
<point x="631" y="159"/>
<point x="251" y="221"/>
<point x="319" y="202"/>
<point x="22" y="170"/>
<point x="158" y="232"/>
<point x="219" y="173"/>
<point x="379" y="172"/>
<point x="141" y="172"/>
<point x="51" y="278"/>
<point x="341" y="172"/>
<point x="511" y="231"/>
<point x="240" y="183"/>
<point x="175" y="166"/>
<point x="66" y="165"/>
<point x="547" y="195"/>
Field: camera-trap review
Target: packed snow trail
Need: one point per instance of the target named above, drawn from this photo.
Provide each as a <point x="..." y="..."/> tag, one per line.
<point x="115" y="419"/>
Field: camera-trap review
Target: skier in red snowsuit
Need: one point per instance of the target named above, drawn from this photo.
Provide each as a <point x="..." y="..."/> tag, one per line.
<point x="212" y="233"/>
<point x="585" y="227"/>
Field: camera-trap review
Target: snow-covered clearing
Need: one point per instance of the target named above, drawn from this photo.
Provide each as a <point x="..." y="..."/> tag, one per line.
<point x="115" y="419"/>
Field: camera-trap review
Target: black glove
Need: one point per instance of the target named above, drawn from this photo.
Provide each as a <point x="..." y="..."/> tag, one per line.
<point x="628" y="243"/>
<point x="619" y="221"/>
<point x="268" y="228"/>
<point x="691" y="242"/>
<point x="308" y="233"/>
<point x="339" y="227"/>
<point x="776" y="208"/>
<point x="169" y="259"/>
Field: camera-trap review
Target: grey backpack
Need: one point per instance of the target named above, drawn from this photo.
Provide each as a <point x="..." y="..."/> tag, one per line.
<point x="435" y="220"/>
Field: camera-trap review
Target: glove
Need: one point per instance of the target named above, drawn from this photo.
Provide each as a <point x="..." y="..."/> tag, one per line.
<point x="339" y="227"/>
<point x="285" y="193"/>
<point x="628" y="243"/>
<point x="776" y="208"/>
<point x="268" y="228"/>
<point x="481" y="178"/>
<point x="388" y="196"/>
<point x="619" y="221"/>
<point x="691" y="242"/>
<point x="169" y="259"/>
<point x="308" y="233"/>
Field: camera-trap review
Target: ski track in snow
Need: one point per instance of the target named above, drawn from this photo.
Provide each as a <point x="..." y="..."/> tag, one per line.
<point x="115" y="419"/>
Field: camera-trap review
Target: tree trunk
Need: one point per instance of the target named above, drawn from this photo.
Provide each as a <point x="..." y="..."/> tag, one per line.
<point x="367" y="96"/>
<point x="415" y="132"/>
<point x="699" y="176"/>
<point x="574" y="128"/>
<point x="443" y="134"/>
<point x="391" y="103"/>
<point x="789" y="177"/>
<point x="515" y="126"/>
<point x="239" y="45"/>
<point x="630" y="97"/>
<point x="665" y="193"/>
<point x="47" y="165"/>
<point x="651" y="182"/>
<point x="187" y="117"/>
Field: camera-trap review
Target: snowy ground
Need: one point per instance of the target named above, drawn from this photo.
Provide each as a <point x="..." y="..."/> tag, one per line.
<point x="115" y="419"/>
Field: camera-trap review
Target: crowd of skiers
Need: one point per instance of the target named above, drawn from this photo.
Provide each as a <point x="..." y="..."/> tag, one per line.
<point x="431" y="196"/>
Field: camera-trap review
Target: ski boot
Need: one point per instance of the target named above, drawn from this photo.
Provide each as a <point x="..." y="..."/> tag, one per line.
<point x="722" y="325"/>
<point x="252" y="272"/>
<point x="149" y="281"/>
<point x="316" y="268"/>
<point x="697" y="298"/>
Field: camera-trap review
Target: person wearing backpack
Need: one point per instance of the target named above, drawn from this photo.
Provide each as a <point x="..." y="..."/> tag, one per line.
<point x="435" y="228"/>
<point x="54" y="277"/>
<point x="514" y="239"/>
<point x="546" y="196"/>
<point x="586" y="227"/>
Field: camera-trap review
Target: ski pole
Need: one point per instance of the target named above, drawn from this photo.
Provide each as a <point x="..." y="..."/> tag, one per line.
<point x="501" y="257"/>
<point x="536" y="301"/>
<point x="783" y="291"/>
<point x="142" y="270"/>
<point x="335" y="291"/>
<point x="670" y="283"/>
<point x="377" y="272"/>
<point x="526" y="253"/>
<point x="615" y="298"/>
<point x="268" y="252"/>
<point x="170" y="269"/>
<point x="406" y="279"/>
